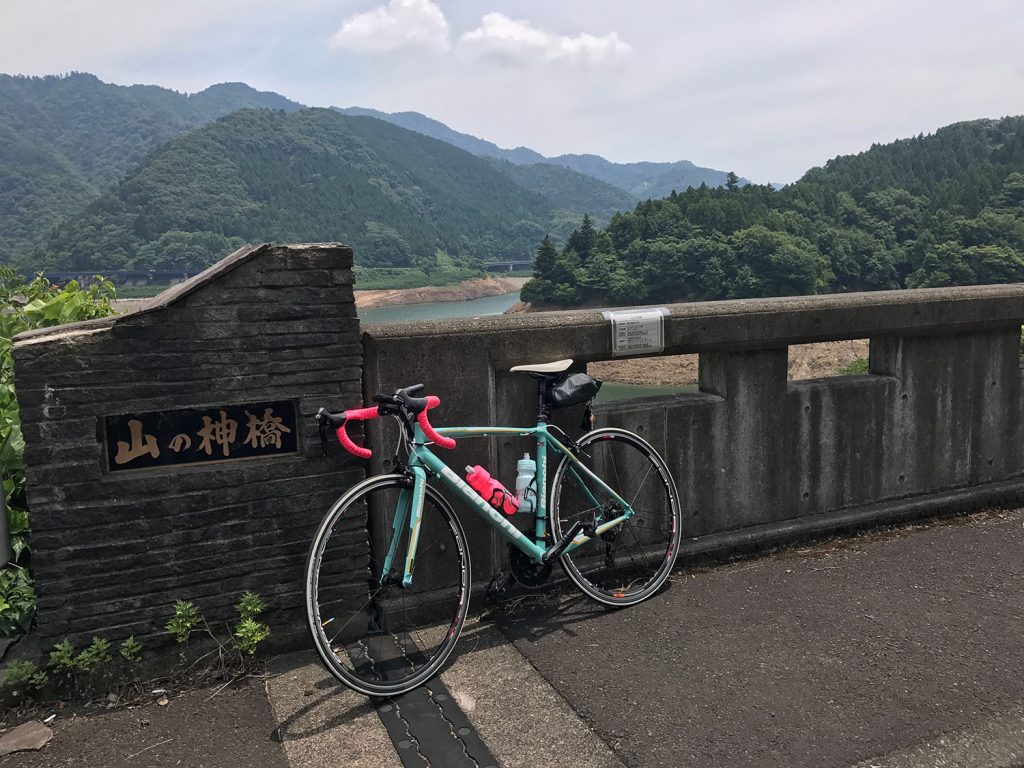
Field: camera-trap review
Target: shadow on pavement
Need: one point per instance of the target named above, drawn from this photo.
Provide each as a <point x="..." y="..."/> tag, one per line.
<point x="825" y="656"/>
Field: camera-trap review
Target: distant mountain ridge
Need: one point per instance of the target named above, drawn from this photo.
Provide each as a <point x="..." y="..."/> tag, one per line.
<point x="401" y="198"/>
<point x="64" y="139"/>
<point x="641" y="181"/>
<point x="428" y="126"/>
<point x="124" y="122"/>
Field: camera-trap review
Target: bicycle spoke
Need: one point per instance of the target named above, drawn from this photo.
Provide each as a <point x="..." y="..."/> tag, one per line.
<point x="383" y="642"/>
<point x="369" y="600"/>
<point x="619" y="566"/>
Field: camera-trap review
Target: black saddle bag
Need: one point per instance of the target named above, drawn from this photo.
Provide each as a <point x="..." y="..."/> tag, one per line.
<point x="573" y="389"/>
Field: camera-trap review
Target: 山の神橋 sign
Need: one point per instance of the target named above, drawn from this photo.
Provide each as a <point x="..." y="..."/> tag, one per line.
<point x="193" y="435"/>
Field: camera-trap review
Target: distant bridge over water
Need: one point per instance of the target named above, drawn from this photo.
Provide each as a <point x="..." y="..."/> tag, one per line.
<point x="122" y="276"/>
<point x="173" y="276"/>
<point x="509" y="266"/>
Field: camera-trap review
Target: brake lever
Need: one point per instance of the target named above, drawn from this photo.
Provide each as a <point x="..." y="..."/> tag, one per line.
<point x="321" y="424"/>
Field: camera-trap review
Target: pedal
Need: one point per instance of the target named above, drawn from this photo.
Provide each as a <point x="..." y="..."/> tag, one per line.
<point x="498" y="589"/>
<point x="564" y="542"/>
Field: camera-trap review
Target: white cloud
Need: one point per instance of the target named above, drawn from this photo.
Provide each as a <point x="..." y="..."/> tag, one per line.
<point x="399" y="24"/>
<point x="498" y="34"/>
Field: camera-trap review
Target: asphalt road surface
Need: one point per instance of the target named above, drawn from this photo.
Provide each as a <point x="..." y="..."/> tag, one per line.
<point x="876" y="648"/>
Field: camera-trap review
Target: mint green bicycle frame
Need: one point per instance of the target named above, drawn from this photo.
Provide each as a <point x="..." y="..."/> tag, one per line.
<point x="423" y="461"/>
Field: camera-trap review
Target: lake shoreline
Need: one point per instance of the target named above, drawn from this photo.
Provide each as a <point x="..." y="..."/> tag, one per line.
<point x="467" y="290"/>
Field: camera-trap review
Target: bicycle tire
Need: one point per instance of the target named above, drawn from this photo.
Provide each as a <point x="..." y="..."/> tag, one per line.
<point x="379" y="647"/>
<point x="650" y="539"/>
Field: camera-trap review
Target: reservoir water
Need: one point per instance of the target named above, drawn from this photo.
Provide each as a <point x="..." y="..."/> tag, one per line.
<point x="406" y="313"/>
<point x="496" y="305"/>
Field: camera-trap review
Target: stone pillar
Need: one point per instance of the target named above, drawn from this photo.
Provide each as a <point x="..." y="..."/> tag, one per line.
<point x="171" y="452"/>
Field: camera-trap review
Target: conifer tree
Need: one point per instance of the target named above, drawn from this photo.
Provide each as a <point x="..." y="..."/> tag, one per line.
<point x="544" y="262"/>
<point x="582" y="240"/>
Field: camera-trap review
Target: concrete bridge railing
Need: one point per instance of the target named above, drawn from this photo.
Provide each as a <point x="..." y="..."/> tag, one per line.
<point x="934" y="426"/>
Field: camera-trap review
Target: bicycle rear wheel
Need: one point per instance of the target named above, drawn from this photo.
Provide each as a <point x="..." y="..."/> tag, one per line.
<point x="374" y="634"/>
<point x="629" y="562"/>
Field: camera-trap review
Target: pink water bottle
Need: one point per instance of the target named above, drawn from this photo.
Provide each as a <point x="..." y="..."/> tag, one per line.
<point x="496" y="494"/>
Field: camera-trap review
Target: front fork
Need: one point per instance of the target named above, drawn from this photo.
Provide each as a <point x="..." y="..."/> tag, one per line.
<point x="409" y="512"/>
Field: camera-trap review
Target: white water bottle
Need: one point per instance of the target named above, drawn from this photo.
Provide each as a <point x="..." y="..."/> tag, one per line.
<point x="526" y="492"/>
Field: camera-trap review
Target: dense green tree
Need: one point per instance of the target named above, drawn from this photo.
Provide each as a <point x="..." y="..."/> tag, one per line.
<point x="544" y="261"/>
<point x="946" y="209"/>
<point x="383" y="246"/>
<point x="183" y="250"/>
<point x="783" y="265"/>
<point x="1012" y="193"/>
<point x="582" y="240"/>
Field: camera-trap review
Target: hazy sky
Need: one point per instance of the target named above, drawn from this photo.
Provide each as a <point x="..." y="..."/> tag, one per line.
<point x="767" y="89"/>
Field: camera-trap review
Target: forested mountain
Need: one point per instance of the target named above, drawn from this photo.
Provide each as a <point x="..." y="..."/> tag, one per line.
<point x="414" y="121"/>
<point x="567" y="189"/>
<point x="314" y="175"/>
<point x="641" y="181"/>
<point x="943" y="209"/>
<point x="63" y="140"/>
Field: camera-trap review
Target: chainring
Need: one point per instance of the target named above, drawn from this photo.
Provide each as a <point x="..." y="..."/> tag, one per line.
<point x="527" y="572"/>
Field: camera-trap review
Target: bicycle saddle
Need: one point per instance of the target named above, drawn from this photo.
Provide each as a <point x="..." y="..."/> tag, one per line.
<point x="548" y="368"/>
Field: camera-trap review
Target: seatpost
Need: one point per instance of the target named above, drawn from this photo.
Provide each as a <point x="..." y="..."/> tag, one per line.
<point x="543" y="409"/>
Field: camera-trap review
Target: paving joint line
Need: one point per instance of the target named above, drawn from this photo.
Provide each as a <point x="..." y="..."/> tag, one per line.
<point x="451" y="725"/>
<point x="436" y="726"/>
<point x="384" y="706"/>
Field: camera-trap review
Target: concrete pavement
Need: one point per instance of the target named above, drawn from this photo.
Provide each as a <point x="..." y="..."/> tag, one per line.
<point x="868" y="650"/>
<point x="520" y="717"/>
<point x="895" y="649"/>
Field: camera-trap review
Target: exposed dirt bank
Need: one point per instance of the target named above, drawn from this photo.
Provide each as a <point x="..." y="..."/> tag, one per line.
<point x="806" y="361"/>
<point x="477" y="288"/>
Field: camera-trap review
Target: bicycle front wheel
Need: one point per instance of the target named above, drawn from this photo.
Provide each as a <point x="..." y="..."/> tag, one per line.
<point x="373" y="633"/>
<point x="630" y="561"/>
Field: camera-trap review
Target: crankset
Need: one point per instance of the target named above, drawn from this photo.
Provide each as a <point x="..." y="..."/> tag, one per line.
<point x="526" y="571"/>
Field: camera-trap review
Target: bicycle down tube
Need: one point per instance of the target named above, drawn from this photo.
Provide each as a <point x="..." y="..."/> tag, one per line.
<point x="421" y="457"/>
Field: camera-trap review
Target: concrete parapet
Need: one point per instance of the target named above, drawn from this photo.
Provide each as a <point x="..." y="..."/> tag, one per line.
<point x="935" y="424"/>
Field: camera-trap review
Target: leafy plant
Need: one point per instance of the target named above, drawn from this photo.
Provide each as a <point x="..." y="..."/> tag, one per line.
<point x="249" y="633"/>
<point x="24" y="675"/>
<point x="89" y="668"/>
<point x="250" y="606"/>
<point x="17" y="600"/>
<point x="855" y="367"/>
<point x="130" y="649"/>
<point x="62" y="657"/>
<point x="24" y="306"/>
<point x="186" y="618"/>
<point x="96" y="653"/>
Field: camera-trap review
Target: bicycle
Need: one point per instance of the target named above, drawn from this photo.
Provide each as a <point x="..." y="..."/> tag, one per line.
<point x="611" y="518"/>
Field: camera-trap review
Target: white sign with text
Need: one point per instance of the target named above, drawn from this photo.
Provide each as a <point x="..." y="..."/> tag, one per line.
<point x="637" y="331"/>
